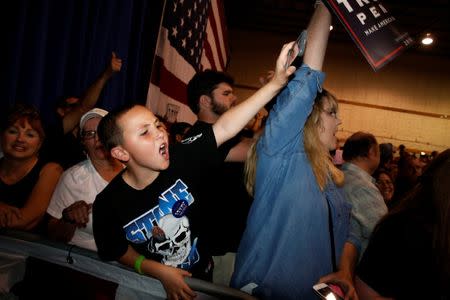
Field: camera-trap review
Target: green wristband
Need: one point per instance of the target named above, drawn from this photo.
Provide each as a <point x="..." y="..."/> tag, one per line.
<point x="138" y="263"/>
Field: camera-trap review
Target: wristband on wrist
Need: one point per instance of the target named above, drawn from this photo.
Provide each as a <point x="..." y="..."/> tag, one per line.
<point x="138" y="263"/>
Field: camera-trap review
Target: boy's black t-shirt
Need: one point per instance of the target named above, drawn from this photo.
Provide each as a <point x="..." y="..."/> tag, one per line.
<point x="162" y="221"/>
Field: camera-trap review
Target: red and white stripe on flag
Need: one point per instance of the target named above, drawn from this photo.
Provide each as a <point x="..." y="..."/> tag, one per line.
<point x="192" y="37"/>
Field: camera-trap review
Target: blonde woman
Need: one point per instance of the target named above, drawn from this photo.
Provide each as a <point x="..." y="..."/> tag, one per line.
<point x="298" y="224"/>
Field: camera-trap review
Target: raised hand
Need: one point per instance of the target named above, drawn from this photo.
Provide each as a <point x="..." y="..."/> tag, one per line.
<point x="115" y="64"/>
<point x="281" y="73"/>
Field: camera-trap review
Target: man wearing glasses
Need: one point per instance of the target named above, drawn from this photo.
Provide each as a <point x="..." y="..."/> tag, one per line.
<point x="70" y="206"/>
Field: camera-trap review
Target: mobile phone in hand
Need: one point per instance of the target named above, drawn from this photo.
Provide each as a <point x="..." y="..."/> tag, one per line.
<point x="324" y="291"/>
<point x="301" y="43"/>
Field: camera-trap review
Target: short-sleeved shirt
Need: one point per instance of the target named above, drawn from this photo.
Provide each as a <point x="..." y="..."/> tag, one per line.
<point x="163" y="220"/>
<point x="80" y="182"/>
<point x="223" y="231"/>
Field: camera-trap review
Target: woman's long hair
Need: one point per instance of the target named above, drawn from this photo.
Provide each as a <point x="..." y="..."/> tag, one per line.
<point x="250" y="169"/>
<point x="319" y="156"/>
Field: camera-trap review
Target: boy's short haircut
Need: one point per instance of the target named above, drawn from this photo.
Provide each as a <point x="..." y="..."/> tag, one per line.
<point x="358" y="145"/>
<point x="204" y="83"/>
<point x="109" y="131"/>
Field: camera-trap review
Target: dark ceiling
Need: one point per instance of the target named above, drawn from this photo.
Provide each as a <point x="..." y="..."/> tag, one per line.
<point x="290" y="16"/>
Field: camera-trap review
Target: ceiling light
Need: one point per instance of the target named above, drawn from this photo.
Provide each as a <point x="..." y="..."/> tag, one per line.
<point x="427" y="40"/>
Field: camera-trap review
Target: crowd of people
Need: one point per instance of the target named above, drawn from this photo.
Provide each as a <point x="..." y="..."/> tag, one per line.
<point x="254" y="195"/>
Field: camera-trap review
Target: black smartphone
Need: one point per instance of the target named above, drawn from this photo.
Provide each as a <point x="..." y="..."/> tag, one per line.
<point x="301" y="44"/>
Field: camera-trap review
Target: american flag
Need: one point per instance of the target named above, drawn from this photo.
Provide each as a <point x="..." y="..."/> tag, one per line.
<point x="192" y="37"/>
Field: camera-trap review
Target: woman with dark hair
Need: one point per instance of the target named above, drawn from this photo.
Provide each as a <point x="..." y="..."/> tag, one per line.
<point x="26" y="182"/>
<point x="385" y="184"/>
<point x="408" y="256"/>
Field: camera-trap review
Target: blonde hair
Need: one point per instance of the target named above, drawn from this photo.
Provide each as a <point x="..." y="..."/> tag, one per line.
<point x="250" y="169"/>
<point x="319" y="156"/>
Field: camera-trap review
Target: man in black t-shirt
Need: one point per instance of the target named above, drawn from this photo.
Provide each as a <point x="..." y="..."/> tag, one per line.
<point x="210" y="94"/>
<point x="148" y="216"/>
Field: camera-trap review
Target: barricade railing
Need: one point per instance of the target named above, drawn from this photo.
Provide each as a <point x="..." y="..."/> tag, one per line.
<point x="16" y="246"/>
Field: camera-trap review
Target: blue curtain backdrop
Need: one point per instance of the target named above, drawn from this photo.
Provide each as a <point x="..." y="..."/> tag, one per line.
<point x="56" y="48"/>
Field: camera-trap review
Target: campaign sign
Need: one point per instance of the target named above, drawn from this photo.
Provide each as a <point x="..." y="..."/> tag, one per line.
<point x="372" y="28"/>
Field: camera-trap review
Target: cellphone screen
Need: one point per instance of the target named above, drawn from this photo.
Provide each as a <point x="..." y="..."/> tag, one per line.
<point x="328" y="294"/>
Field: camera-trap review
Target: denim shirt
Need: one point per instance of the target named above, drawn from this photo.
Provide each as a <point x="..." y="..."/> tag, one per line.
<point x="286" y="246"/>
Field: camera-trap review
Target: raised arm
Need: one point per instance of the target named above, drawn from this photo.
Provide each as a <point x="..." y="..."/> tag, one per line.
<point x="294" y="104"/>
<point x="91" y="95"/>
<point x="232" y="121"/>
<point x="318" y="32"/>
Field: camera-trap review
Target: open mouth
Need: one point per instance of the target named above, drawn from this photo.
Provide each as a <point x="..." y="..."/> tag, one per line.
<point x="164" y="150"/>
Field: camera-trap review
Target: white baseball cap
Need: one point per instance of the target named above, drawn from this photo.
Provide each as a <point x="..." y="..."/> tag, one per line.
<point x="93" y="113"/>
